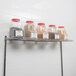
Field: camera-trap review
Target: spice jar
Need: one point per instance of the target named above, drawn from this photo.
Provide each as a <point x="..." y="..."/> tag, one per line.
<point x="41" y="30"/>
<point x="52" y="31"/>
<point x="62" y="32"/>
<point x="16" y="30"/>
<point x="28" y="28"/>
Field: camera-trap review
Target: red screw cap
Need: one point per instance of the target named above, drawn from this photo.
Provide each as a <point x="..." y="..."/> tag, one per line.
<point x="29" y="22"/>
<point x="51" y="25"/>
<point x="61" y="27"/>
<point x="15" y="19"/>
<point x="41" y="24"/>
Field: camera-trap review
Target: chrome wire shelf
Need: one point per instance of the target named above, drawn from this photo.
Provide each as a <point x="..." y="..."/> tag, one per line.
<point x="37" y="40"/>
<point x="32" y="40"/>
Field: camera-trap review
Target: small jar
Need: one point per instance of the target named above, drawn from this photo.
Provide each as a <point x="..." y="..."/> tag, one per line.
<point x="52" y="31"/>
<point x="62" y="32"/>
<point x="16" y="30"/>
<point x="28" y="28"/>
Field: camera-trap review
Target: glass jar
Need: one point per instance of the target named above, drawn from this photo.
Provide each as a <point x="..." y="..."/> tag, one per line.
<point x="28" y="28"/>
<point x="41" y="30"/>
<point x="16" y="30"/>
<point x="52" y="31"/>
<point x="62" y="32"/>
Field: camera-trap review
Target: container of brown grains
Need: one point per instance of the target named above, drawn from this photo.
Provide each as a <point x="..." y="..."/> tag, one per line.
<point x="28" y="28"/>
<point x="40" y="30"/>
<point x="52" y="31"/>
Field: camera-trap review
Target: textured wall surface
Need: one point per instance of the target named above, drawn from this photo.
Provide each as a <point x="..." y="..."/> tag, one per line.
<point x="41" y="59"/>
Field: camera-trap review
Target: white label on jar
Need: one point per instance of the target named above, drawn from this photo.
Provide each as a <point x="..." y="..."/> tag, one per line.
<point x="19" y="33"/>
<point x="57" y="36"/>
<point x="34" y="35"/>
<point x="45" y="36"/>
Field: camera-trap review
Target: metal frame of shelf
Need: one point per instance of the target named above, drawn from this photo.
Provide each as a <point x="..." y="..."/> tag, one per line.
<point x="11" y="39"/>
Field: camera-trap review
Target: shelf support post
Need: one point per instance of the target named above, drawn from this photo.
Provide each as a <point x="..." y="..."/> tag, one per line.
<point x="5" y="45"/>
<point x="61" y="54"/>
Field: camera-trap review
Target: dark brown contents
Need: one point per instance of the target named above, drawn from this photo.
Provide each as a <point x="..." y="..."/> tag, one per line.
<point x="51" y="35"/>
<point x="40" y="36"/>
<point x="12" y="32"/>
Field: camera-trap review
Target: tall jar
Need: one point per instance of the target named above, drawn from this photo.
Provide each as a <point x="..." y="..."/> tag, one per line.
<point x="28" y="28"/>
<point x="15" y="29"/>
<point x="62" y="32"/>
<point x="52" y="31"/>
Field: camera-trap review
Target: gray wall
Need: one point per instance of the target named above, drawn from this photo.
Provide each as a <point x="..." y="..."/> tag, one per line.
<point x="28" y="59"/>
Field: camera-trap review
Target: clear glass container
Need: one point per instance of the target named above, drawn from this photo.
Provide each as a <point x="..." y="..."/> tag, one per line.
<point x="28" y="28"/>
<point x="15" y="29"/>
<point x="62" y="32"/>
<point x="52" y="31"/>
<point x="42" y="32"/>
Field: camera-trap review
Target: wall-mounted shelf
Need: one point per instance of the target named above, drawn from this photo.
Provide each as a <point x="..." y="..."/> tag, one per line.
<point x="37" y="40"/>
<point x="33" y="40"/>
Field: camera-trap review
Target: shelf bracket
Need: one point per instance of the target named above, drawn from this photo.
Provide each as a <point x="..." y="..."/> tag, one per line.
<point x="61" y="56"/>
<point x="5" y="45"/>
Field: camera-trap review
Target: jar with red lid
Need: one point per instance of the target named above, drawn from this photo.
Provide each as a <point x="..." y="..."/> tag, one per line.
<point x="52" y="31"/>
<point x="29" y="30"/>
<point x="62" y="32"/>
<point x="41" y="30"/>
<point x="16" y="30"/>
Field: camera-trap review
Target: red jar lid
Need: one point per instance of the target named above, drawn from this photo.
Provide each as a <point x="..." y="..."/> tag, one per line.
<point x="51" y="25"/>
<point x="29" y="21"/>
<point x="15" y="19"/>
<point x="41" y="24"/>
<point x="61" y="27"/>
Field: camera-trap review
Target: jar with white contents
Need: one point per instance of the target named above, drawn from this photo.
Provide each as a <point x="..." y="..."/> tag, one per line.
<point x="16" y="30"/>
<point x="52" y="31"/>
